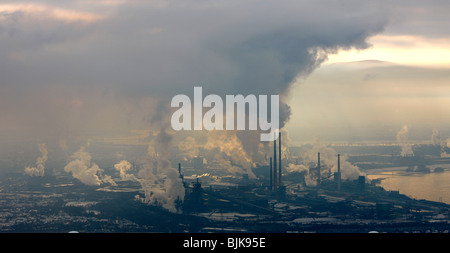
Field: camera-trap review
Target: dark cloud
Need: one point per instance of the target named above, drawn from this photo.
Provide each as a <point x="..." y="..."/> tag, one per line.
<point x="97" y="74"/>
<point x="420" y="18"/>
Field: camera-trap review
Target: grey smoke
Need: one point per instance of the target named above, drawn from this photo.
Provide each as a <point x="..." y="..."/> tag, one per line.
<point x="159" y="49"/>
<point x="104" y="77"/>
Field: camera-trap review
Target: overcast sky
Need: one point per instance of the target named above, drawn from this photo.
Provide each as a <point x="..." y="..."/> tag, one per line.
<point x="103" y="68"/>
<point x="403" y="81"/>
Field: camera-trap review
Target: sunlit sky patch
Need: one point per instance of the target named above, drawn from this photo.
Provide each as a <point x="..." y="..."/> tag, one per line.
<point x="401" y="49"/>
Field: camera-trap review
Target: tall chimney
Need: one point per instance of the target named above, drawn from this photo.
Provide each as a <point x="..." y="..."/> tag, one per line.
<point x="339" y="163"/>
<point x="274" y="161"/>
<point x="179" y="172"/>
<point x="318" y="169"/>
<point x="339" y="173"/>
<point x="279" y="162"/>
<point x="270" y="174"/>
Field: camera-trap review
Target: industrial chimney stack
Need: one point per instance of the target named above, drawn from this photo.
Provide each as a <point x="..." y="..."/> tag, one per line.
<point x="339" y="173"/>
<point x="179" y="171"/>
<point x="318" y="169"/>
<point x="279" y="153"/>
<point x="270" y="174"/>
<point x="275" y="162"/>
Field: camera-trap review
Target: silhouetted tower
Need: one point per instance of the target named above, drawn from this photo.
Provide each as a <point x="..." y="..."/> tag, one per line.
<point x="279" y="154"/>
<point x="337" y="175"/>
<point x="275" y="162"/>
<point x="270" y="174"/>
<point x="318" y="169"/>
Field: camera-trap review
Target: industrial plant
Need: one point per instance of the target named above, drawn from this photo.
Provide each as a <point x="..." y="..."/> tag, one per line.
<point x="278" y="201"/>
<point x="293" y="190"/>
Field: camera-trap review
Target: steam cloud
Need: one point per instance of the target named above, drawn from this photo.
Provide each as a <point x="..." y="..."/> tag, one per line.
<point x="328" y="160"/>
<point x="161" y="184"/>
<point x="438" y="140"/>
<point x="229" y="150"/>
<point x="402" y="140"/>
<point x="40" y="162"/>
<point x="159" y="180"/>
<point x="86" y="171"/>
<point x="123" y="167"/>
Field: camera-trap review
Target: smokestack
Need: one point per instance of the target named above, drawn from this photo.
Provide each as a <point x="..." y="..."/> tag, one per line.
<point x="279" y="162"/>
<point x="274" y="161"/>
<point x="339" y="163"/>
<point x="318" y="169"/>
<point x="270" y="174"/>
<point x="339" y="173"/>
<point x="179" y="171"/>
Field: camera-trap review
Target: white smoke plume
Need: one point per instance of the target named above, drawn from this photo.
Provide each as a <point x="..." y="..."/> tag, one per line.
<point x="162" y="185"/>
<point x="296" y="168"/>
<point x="40" y="162"/>
<point x="402" y="140"/>
<point x="123" y="167"/>
<point x="438" y="140"/>
<point x="436" y="137"/>
<point x="301" y="168"/>
<point x="328" y="161"/>
<point x="231" y="149"/>
<point x="86" y="171"/>
<point x="161" y="182"/>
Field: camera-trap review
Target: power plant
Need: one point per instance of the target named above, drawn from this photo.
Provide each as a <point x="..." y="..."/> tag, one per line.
<point x="318" y="189"/>
<point x="317" y="200"/>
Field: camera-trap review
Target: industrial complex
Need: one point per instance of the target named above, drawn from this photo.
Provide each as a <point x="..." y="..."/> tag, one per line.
<point x="273" y="199"/>
<point x="276" y="202"/>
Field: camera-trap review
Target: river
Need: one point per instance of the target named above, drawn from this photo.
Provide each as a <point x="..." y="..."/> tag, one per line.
<point x="434" y="186"/>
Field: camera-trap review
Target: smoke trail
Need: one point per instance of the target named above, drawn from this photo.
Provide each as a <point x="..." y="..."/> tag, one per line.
<point x="40" y="162"/>
<point x="86" y="171"/>
<point x="402" y="140"/>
